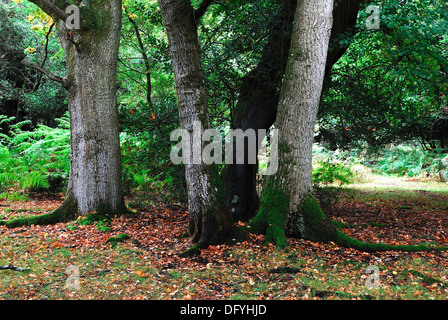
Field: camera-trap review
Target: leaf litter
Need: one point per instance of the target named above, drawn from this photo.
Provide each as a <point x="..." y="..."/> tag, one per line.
<point x="148" y="264"/>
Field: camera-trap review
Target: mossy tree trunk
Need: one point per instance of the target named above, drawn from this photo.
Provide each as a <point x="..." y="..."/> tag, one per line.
<point x="287" y="206"/>
<point x="281" y="210"/>
<point x="264" y="81"/>
<point x="259" y="86"/>
<point x="209" y="222"/>
<point x="95" y="160"/>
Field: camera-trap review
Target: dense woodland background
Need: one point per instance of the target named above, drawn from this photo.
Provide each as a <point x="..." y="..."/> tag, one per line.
<point x="384" y="104"/>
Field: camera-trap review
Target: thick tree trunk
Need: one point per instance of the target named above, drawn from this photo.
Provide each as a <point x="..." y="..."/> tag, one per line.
<point x="259" y="90"/>
<point x="287" y="205"/>
<point x="283" y="198"/>
<point x="345" y="13"/>
<point x="262" y="84"/>
<point x="209" y="221"/>
<point x="95" y="181"/>
<point x="92" y="53"/>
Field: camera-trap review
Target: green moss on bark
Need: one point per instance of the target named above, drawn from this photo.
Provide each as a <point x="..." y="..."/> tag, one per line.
<point x="314" y="225"/>
<point x="271" y="217"/>
<point x="66" y="212"/>
<point x="319" y="228"/>
<point x="345" y="241"/>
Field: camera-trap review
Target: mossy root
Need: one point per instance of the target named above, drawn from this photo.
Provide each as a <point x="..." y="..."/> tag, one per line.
<point x="67" y="211"/>
<point x="314" y="225"/>
<point x="320" y="228"/>
<point x="271" y="217"/>
<point x="62" y="214"/>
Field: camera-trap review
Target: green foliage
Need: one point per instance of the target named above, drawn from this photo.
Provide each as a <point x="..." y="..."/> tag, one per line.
<point x="148" y="172"/>
<point x="330" y="167"/>
<point x="147" y="108"/>
<point x="329" y="172"/>
<point x="232" y="39"/>
<point x="413" y="161"/>
<point x="24" y="92"/>
<point x="391" y="84"/>
<point x="34" y="160"/>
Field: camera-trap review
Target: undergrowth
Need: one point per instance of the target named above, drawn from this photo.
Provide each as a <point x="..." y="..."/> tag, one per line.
<point x="38" y="161"/>
<point x="34" y="161"/>
<point x="414" y="161"/>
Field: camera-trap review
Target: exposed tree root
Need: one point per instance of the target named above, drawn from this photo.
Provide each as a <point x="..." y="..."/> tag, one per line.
<point x="67" y="211"/>
<point x="317" y="227"/>
<point x="321" y="228"/>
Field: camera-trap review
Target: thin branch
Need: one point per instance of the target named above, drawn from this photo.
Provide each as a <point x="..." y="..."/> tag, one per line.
<point x="145" y="58"/>
<point x="46" y="72"/>
<point x="36" y="86"/>
<point x="130" y="68"/>
<point x="14" y="268"/>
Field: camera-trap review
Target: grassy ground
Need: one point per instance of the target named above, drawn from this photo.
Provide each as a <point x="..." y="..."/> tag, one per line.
<point x="147" y="266"/>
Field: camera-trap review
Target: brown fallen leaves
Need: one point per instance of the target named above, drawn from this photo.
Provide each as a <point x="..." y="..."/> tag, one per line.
<point x="148" y="265"/>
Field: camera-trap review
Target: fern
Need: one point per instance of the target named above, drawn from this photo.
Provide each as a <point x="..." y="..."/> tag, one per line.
<point x="411" y="161"/>
<point x="31" y="160"/>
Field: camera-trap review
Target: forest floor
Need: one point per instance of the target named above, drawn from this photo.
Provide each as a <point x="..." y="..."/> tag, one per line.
<point x="43" y="262"/>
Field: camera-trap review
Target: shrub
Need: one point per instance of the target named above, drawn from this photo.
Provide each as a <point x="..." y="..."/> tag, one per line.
<point x="331" y="166"/>
<point x="148" y="173"/>
<point x="327" y="172"/>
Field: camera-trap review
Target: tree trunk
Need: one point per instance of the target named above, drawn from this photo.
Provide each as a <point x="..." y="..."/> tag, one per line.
<point x="92" y="55"/>
<point x="262" y="84"/>
<point x="258" y="86"/>
<point x="287" y="206"/>
<point x="283" y="198"/>
<point x="345" y="13"/>
<point x="95" y="181"/>
<point x="95" y="159"/>
<point x="209" y="221"/>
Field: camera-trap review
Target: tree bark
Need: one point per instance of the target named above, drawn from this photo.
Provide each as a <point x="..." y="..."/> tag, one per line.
<point x="282" y="200"/>
<point x="209" y="222"/>
<point x="287" y="206"/>
<point x="95" y="160"/>
<point x="263" y="83"/>
<point x="95" y="181"/>
<point x="259" y="86"/>
<point x="345" y="13"/>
